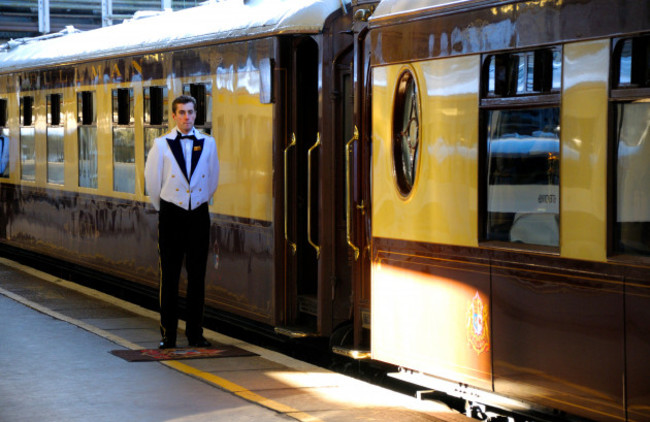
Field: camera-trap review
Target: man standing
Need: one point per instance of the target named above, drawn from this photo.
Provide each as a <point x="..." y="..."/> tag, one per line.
<point x="181" y="175"/>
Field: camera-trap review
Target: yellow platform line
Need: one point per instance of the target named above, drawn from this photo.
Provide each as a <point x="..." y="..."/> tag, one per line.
<point x="240" y="391"/>
<point x="176" y="365"/>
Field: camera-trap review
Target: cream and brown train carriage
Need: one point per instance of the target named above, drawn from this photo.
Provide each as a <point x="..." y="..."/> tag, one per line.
<point x="79" y="112"/>
<point x="510" y="201"/>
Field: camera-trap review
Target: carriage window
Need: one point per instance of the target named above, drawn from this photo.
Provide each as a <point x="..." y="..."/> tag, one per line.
<point x="523" y="73"/>
<point x="155" y="105"/>
<point x="521" y="190"/>
<point x="123" y="141"/>
<point x="4" y="139"/>
<point x="631" y="84"/>
<point x="155" y="116"/>
<point x="631" y="64"/>
<point x="406" y="132"/>
<point x="87" y="137"/>
<point x="123" y="106"/>
<point x="203" y="95"/>
<point x="3" y="112"/>
<point x="27" y="142"/>
<point x="55" y="173"/>
<point x="523" y="177"/>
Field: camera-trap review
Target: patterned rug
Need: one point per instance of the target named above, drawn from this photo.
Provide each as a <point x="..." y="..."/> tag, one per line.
<point x="150" y="355"/>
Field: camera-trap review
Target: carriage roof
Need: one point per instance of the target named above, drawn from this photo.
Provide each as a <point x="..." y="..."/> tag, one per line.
<point x="211" y="22"/>
<point x="389" y="8"/>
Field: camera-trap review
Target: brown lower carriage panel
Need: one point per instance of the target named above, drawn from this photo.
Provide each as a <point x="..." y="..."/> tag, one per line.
<point x="567" y="335"/>
<point x="558" y="338"/>
<point x="119" y="238"/>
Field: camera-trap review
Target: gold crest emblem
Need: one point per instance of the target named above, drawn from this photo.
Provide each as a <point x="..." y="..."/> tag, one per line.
<point x="478" y="335"/>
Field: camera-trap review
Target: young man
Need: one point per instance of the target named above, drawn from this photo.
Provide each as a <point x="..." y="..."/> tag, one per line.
<point x="181" y="175"/>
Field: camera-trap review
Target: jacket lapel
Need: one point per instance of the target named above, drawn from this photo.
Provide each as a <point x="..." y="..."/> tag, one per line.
<point x="197" y="149"/>
<point x="177" y="150"/>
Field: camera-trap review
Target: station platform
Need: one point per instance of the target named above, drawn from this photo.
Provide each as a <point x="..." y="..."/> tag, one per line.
<point x="56" y="339"/>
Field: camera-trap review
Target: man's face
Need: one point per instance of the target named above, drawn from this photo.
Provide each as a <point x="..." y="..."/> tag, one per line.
<point x="184" y="117"/>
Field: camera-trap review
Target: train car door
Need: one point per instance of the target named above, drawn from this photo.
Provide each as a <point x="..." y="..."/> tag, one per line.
<point x="356" y="342"/>
<point x="301" y="199"/>
<point x="319" y="110"/>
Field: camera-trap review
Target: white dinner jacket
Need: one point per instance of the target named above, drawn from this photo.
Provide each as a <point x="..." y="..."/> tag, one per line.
<point x="165" y="178"/>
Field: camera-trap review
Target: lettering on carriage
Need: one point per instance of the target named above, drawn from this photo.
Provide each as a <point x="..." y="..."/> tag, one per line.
<point x="88" y="74"/>
<point x="116" y="74"/>
<point x="57" y="78"/>
<point x="547" y="199"/>
<point x="29" y="81"/>
<point x="136" y="67"/>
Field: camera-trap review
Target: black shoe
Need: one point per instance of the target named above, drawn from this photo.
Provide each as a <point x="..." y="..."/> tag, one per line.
<point x="166" y="343"/>
<point x="200" y="342"/>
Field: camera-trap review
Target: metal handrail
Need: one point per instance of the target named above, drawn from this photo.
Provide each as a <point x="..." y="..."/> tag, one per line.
<point x="309" y="239"/>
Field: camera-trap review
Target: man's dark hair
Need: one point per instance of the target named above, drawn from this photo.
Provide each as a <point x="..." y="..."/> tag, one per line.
<point x="183" y="99"/>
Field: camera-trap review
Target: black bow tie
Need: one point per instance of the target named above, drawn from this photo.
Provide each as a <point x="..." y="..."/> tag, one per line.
<point x="192" y="137"/>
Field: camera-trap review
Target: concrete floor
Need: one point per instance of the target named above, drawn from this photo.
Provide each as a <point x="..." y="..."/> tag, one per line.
<point x="55" y="365"/>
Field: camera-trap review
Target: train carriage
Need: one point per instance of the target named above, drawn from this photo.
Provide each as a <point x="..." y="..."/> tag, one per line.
<point x="509" y="201"/>
<point x="79" y="111"/>
<point x="454" y="187"/>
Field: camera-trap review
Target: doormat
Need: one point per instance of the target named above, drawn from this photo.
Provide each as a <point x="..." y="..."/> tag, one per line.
<point x="150" y="355"/>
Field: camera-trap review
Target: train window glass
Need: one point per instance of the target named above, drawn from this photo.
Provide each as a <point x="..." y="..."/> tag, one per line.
<point x="123" y="141"/>
<point x="632" y="63"/>
<point x="26" y="111"/>
<point x="155" y="105"/>
<point x="3" y="112"/>
<point x="406" y="132"/>
<point x="155" y="116"/>
<point x="123" y="106"/>
<point x="87" y="156"/>
<point x="4" y="152"/>
<point x="202" y="92"/>
<point x="266" y="80"/>
<point x="631" y="145"/>
<point x="55" y="159"/>
<point x="86" y="114"/>
<point x="54" y="116"/>
<point x="4" y="139"/>
<point x="54" y="134"/>
<point x="625" y="64"/>
<point x="523" y="177"/>
<point x="27" y="154"/>
<point x="87" y="138"/>
<point x="124" y="159"/>
<point x="27" y="140"/>
<point x="632" y="228"/>
<point x="523" y="73"/>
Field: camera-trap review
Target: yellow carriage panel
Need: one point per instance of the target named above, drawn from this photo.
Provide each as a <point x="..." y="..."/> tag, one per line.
<point x="243" y="130"/>
<point x="583" y="159"/>
<point x="442" y="206"/>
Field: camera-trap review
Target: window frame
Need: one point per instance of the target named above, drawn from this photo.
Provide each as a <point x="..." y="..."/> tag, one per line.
<point x="405" y="80"/>
<point x="620" y="94"/>
<point x="57" y="123"/>
<point x="27" y="121"/>
<point x="509" y="100"/>
<point x="149" y="123"/>
<point x="123" y="121"/>
<point x="87" y="119"/>
<point x="4" y="116"/>
<point x="5" y="151"/>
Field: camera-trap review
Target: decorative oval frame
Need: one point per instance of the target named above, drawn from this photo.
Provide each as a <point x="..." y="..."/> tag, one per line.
<point x="406" y="119"/>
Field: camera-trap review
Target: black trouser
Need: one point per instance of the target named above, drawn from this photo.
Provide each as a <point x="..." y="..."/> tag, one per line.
<point x="182" y="234"/>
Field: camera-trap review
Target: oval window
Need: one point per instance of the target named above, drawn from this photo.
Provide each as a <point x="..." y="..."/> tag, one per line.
<point x="406" y="132"/>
